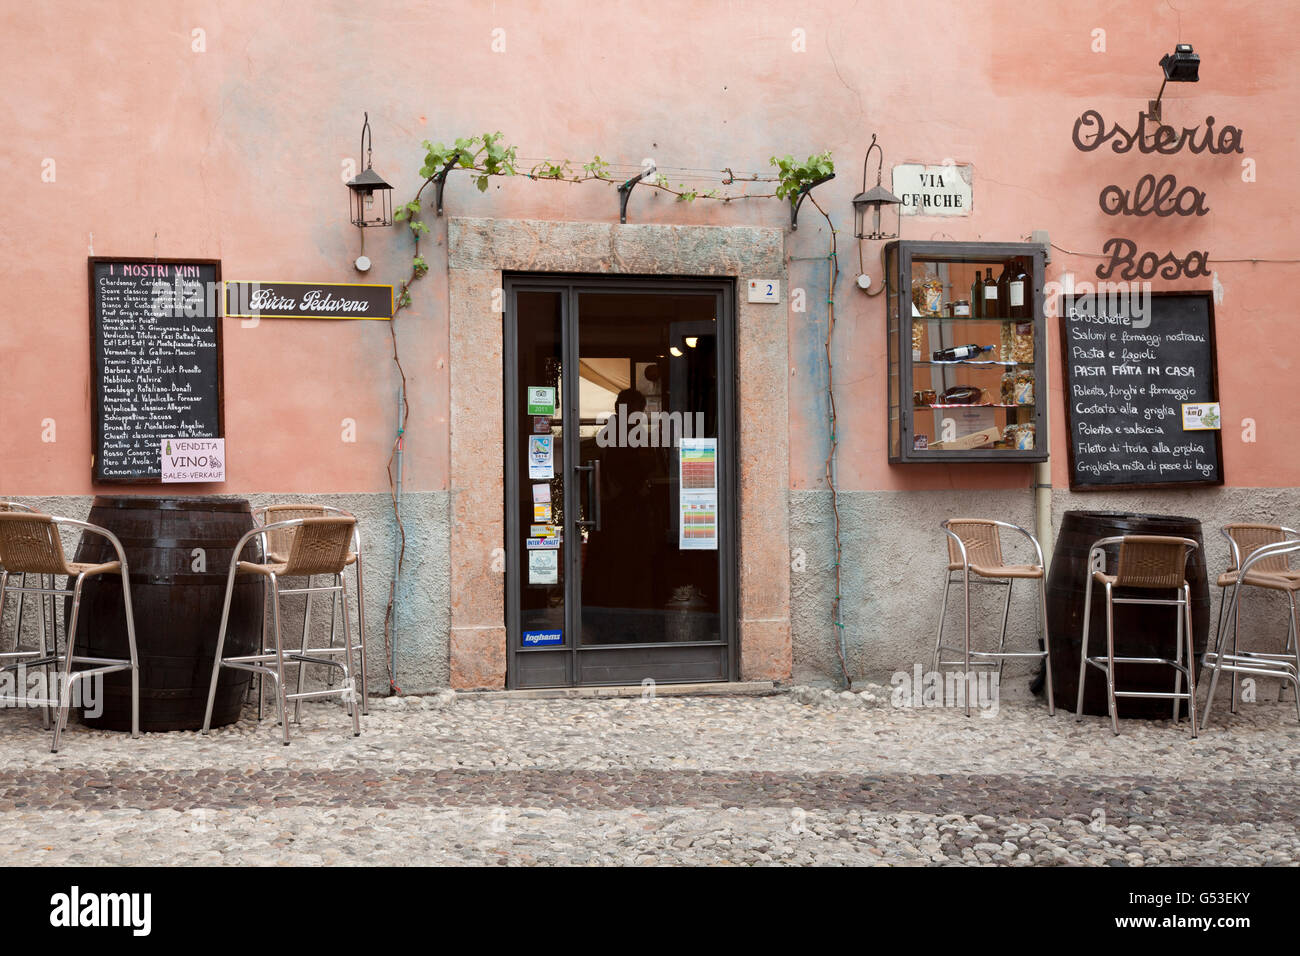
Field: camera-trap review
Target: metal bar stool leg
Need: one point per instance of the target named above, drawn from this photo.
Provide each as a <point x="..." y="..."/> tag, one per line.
<point x="221" y="645"/>
<point x="1110" y="660"/>
<point x="1002" y="638"/>
<point x="47" y="714"/>
<point x="280" y="701"/>
<point x="302" y="666"/>
<point x="1290" y="643"/>
<point x="334" y="615"/>
<point x="65" y="685"/>
<point x="966" y="646"/>
<point x="1236" y="631"/>
<point x="361" y="624"/>
<point x="1191" y="658"/>
<point x="1047" y="643"/>
<point x="265" y="647"/>
<point x="1295" y="630"/>
<point x="131" y="648"/>
<point x="1178" y="660"/>
<point x="353" y="706"/>
<point x="1218" y="656"/>
<point x="1083" y="649"/>
<point x="943" y="610"/>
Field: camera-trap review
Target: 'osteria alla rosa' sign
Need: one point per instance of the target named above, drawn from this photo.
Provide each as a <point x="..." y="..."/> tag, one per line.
<point x="308" y="300"/>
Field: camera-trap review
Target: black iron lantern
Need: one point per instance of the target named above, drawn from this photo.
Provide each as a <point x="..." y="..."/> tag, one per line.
<point x="1181" y="66"/>
<point x="371" y="199"/>
<point x="872" y="199"/>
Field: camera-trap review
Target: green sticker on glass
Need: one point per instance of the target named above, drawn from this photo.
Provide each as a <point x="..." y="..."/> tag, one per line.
<point x="541" y="400"/>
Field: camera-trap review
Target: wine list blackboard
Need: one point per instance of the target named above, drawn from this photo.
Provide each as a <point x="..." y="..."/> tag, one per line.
<point x="1128" y="372"/>
<point x="155" y="349"/>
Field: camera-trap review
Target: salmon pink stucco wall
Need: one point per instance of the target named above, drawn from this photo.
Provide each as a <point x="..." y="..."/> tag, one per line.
<point x="205" y="129"/>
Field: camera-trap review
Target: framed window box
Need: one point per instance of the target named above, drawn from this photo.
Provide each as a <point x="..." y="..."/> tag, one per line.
<point x="967" y="382"/>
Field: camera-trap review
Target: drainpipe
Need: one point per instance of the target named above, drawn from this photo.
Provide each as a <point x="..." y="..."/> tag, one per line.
<point x="1043" y="509"/>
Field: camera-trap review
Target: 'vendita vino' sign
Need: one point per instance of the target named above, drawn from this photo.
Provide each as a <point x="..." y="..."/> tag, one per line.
<point x="308" y="300"/>
<point x="1153" y="195"/>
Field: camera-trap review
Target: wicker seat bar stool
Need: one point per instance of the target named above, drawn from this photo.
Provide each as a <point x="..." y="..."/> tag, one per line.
<point x="30" y="545"/>
<point x="276" y="545"/>
<point x="975" y="547"/>
<point x="320" y="546"/>
<point x="1272" y="573"/>
<point x="1147" y="562"/>
<point x="1260" y="566"/>
<point x="47" y="615"/>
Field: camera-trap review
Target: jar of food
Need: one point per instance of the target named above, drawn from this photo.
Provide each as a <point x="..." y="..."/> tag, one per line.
<point x="1022" y="342"/>
<point x="1020" y="436"/>
<point x="927" y="294"/>
<point x="959" y="309"/>
<point x="1023" y="389"/>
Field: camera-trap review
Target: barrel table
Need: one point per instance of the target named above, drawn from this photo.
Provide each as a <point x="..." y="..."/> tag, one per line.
<point x="178" y="550"/>
<point x="1140" y="630"/>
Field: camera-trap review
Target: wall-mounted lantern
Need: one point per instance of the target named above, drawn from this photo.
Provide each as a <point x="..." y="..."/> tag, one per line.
<point x="370" y="198"/>
<point x="871" y="201"/>
<point x="1181" y="66"/>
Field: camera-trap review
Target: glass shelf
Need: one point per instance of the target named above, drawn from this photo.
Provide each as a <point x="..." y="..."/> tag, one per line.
<point x="965" y="318"/>
<point x="969" y="362"/>
<point x="977" y="405"/>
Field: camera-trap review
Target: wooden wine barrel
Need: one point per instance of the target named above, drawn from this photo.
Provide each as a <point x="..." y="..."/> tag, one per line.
<point x="177" y="601"/>
<point x="1140" y="630"/>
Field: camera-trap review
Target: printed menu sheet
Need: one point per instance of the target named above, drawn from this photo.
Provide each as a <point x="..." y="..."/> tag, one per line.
<point x="698" y="494"/>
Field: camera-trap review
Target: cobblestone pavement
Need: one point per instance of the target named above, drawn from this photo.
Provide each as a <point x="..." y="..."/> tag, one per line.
<point x="804" y="777"/>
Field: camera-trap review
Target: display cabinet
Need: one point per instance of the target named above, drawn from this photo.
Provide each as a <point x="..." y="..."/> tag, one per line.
<point x="967" y="356"/>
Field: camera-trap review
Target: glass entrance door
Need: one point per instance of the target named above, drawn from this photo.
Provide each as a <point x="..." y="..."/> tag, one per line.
<point x="620" y="516"/>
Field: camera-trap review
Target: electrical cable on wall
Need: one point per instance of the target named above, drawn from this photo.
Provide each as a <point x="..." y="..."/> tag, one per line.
<point x="837" y="604"/>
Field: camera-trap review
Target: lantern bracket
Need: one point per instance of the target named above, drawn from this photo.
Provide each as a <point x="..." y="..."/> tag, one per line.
<point x="440" y="180"/>
<point x="803" y="194"/>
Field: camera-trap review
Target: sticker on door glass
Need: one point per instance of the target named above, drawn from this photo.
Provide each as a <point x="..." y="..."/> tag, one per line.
<point x="698" y="494"/>
<point x="543" y="567"/>
<point x="541" y="400"/>
<point x="541" y="424"/>
<point x="543" y="638"/>
<point x="542" y="503"/>
<point x="540" y="464"/>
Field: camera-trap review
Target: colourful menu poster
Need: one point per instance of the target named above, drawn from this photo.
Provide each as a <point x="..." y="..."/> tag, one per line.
<point x="698" y="494"/>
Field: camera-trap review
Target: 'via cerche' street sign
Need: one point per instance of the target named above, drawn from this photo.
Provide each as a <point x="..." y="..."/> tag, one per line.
<point x="933" y="190"/>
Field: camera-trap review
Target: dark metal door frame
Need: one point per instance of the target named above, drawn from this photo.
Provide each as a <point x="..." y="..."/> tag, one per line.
<point x="570" y="287"/>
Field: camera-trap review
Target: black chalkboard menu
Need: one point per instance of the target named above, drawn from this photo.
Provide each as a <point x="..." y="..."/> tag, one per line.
<point x="1129" y="370"/>
<point x="155" y="350"/>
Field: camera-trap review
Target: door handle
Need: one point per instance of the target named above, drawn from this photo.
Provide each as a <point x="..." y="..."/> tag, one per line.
<point x="593" y="494"/>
